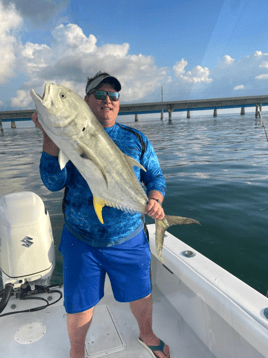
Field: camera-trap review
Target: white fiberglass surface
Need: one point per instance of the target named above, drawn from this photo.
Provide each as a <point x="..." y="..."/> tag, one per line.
<point x="167" y="324"/>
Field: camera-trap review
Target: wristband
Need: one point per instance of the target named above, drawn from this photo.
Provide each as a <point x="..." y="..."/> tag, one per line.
<point x="159" y="202"/>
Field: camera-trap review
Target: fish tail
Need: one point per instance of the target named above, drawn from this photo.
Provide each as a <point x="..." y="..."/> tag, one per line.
<point x="162" y="225"/>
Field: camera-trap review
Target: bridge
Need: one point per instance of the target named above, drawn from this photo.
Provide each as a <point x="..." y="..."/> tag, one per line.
<point x="161" y="107"/>
<point x="195" y="105"/>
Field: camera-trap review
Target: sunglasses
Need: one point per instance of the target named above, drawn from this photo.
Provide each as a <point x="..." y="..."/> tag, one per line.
<point x="114" y="96"/>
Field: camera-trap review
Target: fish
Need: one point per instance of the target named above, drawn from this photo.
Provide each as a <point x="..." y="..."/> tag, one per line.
<point x="69" y="122"/>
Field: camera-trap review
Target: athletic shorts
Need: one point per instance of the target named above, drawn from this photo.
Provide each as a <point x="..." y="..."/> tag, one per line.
<point x="85" y="268"/>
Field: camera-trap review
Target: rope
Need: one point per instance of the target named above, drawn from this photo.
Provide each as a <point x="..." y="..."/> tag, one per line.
<point x="263" y="125"/>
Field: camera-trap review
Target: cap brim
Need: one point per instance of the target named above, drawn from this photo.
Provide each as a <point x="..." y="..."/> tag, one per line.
<point x="101" y="78"/>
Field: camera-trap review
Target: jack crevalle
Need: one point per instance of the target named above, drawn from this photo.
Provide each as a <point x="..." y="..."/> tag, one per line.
<point x="69" y="122"/>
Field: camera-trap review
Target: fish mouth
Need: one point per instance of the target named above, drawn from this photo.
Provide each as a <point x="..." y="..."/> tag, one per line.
<point x="45" y="100"/>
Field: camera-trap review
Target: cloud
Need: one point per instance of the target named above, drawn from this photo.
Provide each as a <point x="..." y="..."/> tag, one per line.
<point x="179" y="67"/>
<point x="196" y="75"/>
<point x="227" y="60"/>
<point x="9" y="22"/>
<point x="229" y="75"/>
<point x="73" y="57"/>
<point x="240" y="87"/>
<point x="32" y="58"/>
<point x="70" y="38"/>
<point x="262" y="77"/>
<point x="22" y="100"/>
<point x="38" y="11"/>
<point x="264" y="64"/>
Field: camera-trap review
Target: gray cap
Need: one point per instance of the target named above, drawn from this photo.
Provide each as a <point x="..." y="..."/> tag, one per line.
<point x="98" y="78"/>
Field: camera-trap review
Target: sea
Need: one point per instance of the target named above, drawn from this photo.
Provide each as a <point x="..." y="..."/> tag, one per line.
<point x="216" y="171"/>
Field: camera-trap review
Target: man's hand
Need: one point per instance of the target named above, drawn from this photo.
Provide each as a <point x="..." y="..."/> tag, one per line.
<point x="154" y="210"/>
<point x="36" y="122"/>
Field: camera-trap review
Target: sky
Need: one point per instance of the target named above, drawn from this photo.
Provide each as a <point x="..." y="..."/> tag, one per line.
<point x="192" y="49"/>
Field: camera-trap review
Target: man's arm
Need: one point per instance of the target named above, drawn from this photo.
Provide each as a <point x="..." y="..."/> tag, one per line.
<point x="154" y="181"/>
<point x="50" y="147"/>
<point x="154" y="194"/>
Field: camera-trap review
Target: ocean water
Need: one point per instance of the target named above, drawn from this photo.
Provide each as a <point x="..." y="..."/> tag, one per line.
<point x="216" y="171"/>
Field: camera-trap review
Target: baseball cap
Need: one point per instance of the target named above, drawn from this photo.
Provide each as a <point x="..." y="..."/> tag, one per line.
<point x="98" y="78"/>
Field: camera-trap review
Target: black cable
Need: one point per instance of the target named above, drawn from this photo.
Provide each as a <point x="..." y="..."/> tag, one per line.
<point x="47" y="289"/>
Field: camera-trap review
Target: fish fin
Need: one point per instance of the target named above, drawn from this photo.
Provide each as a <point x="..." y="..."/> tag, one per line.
<point x="98" y="205"/>
<point x="63" y="159"/>
<point x="87" y="154"/>
<point x="162" y="225"/>
<point x="132" y="162"/>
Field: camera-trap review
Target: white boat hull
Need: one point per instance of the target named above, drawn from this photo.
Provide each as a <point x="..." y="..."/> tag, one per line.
<point x="200" y="311"/>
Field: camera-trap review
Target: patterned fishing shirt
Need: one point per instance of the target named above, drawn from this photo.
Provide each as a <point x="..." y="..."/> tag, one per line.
<point x="79" y="214"/>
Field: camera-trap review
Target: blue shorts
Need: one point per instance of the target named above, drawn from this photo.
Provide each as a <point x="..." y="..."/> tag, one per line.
<point x="85" y="267"/>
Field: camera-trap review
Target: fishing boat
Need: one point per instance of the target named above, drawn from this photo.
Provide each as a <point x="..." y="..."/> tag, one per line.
<point x="199" y="309"/>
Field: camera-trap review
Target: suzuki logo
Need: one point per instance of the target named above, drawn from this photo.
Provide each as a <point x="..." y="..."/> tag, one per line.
<point x="27" y="241"/>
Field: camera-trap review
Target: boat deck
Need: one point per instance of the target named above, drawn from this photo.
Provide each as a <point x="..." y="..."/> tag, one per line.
<point x="113" y="332"/>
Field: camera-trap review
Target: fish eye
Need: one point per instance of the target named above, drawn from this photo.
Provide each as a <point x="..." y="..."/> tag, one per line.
<point x="62" y="95"/>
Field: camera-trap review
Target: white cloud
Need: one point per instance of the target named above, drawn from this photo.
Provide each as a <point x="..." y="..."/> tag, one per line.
<point x="228" y="60"/>
<point x="240" y="87"/>
<point x="70" y="38"/>
<point x="32" y="58"/>
<point x="258" y="54"/>
<point x="1" y="103"/>
<point x="73" y="57"/>
<point x="39" y="12"/>
<point x="196" y="75"/>
<point x="9" y="21"/>
<point x="264" y="76"/>
<point x="179" y="67"/>
<point x="22" y="100"/>
<point x="118" y="51"/>
<point x="229" y="76"/>
<point x="264" y="64"/>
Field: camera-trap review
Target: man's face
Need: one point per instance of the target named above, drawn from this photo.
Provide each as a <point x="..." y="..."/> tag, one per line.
<point x="106" y="110"/>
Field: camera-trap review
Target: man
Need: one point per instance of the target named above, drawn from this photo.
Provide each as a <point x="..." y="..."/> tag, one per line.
<point x="119" y="247"/>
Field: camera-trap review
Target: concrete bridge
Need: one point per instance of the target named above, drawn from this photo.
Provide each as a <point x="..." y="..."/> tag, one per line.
<point x="195" y="105"/>
<point x="161" y="107"/>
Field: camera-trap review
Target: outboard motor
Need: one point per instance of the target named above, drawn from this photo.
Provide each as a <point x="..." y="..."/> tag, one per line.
<point x="27" y="252"/>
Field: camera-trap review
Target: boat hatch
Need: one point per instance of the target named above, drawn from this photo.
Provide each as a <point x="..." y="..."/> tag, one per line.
<point x="104" y="337"/>
<point x="30" y="333"/>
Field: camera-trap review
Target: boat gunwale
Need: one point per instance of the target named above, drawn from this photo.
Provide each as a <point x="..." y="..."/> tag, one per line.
<point x="234" y="301"/>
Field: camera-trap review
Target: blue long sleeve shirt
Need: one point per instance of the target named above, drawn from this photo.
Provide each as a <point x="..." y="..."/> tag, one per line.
<point x="79" y="214"/>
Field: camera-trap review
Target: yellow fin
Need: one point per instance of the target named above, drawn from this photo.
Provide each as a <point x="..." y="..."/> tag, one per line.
<point x="98" y="205"/>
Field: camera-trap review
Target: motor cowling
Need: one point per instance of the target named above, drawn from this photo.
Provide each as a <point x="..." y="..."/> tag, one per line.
<point x="27" y="251"/>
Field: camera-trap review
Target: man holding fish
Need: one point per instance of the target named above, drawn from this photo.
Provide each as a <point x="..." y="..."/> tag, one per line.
<point x="98" y="237"/>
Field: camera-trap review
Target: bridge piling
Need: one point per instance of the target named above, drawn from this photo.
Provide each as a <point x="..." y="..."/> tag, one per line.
<point x="243" y="112"/>
<point x="215" y="113"/>
<point x="188" y="114"/>
<point x="170" y="115"/>
<point x="258" y="110"/>
<point x="136" y="117"/>
<point x="13" y="125"/>
<point x="162" y="115"/>
<point x="1" y="127"/>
